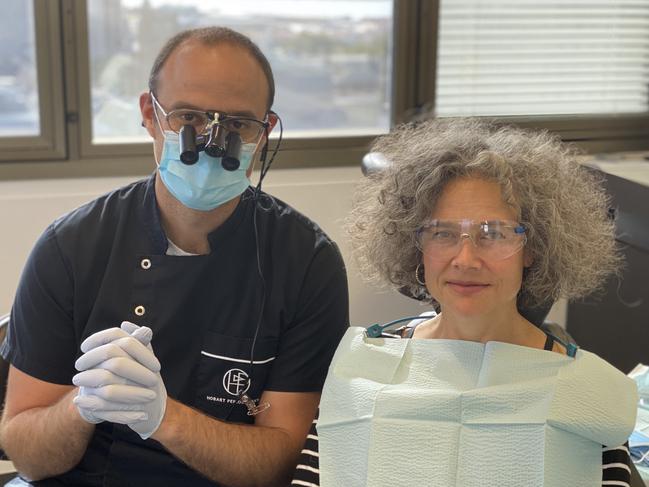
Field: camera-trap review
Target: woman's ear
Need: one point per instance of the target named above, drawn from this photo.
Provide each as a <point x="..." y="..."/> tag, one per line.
<point x="528" y="260"/>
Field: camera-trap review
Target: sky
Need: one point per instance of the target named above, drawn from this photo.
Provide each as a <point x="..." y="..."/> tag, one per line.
<point x="297" y="8"/>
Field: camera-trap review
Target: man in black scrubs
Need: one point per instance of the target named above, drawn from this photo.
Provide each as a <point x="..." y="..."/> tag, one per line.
<point x="245" y="297"/>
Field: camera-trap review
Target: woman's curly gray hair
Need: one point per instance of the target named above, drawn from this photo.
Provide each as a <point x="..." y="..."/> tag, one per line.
<point x="570" y="236"/>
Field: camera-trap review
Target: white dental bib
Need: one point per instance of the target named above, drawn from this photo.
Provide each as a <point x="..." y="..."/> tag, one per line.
<point x="451" y="413"/>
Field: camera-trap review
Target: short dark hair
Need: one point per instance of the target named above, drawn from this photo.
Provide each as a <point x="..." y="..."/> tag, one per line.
<point x="212" y="36"/>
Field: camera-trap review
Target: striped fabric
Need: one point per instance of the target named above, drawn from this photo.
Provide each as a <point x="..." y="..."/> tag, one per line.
<point x="616" y="466"/>
<point x="307" y="473"/>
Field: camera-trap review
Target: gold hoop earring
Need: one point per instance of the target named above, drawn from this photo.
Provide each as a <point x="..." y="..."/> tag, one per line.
<point x="417" y="278"/>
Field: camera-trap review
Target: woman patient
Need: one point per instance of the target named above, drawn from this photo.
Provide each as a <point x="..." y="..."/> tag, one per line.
<point x="483" y="221"/>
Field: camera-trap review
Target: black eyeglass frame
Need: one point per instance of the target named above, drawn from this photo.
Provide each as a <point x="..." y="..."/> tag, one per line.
<point x="214" y="119"/>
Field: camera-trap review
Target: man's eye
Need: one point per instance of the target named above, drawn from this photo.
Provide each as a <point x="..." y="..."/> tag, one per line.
<point x="239" y="124"/>
<point x="188" y="117"/>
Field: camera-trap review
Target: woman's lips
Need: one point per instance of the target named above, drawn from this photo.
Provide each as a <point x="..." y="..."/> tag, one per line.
<point x="467" y="288"/>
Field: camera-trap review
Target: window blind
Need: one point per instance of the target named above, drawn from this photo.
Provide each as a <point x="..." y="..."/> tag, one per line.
<point x="524" y="57"/>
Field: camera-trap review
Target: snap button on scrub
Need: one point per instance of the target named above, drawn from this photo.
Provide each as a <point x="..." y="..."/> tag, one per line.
<point x="145" y="264"/>
<point x="139" y="310"/>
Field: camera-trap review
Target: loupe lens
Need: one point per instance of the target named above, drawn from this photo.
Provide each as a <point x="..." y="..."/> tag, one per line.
<point x="230" y="160"/>
<point x="215" y="146"/>
<point x="187" y="140"/>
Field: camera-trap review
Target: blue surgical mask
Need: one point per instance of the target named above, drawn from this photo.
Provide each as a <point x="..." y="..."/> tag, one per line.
<point x="206" y="184"/>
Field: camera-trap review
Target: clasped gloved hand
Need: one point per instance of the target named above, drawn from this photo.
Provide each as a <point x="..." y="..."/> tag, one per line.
<point x="119" y="379"/>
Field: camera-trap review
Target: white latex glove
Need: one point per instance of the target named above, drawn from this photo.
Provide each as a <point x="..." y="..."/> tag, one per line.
<point x="120" y="381"/>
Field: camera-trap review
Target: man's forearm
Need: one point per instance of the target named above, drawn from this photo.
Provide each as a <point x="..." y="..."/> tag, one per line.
<point x="232" y="454"/>
<point x="46" y="441"/>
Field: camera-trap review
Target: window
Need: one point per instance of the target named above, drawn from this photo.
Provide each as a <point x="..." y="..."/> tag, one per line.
<point x="31" y="105"/>
<point x="331" y="59"/>
<point x="346" y="71"/>
<point x="18" y="84"/>
<point x="498" y="57"/>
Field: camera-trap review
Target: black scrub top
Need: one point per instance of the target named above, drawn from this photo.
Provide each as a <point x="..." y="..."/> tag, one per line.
<point x="106" y="262"/>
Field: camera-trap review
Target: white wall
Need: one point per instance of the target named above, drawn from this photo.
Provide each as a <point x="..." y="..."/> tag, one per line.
<point x="27" y="207"/>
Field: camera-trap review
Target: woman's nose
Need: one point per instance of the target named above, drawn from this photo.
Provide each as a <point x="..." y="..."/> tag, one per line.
<point x="468" y="253"/>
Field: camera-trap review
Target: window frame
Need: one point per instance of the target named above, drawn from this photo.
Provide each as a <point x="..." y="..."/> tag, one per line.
<point x="65" y="147"/>
<point x="50" y="143"/>
<point x="294" y="152"/>
<point x="590" y="132"/>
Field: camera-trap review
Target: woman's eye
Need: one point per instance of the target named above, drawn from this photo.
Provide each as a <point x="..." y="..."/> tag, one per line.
<point x="493" y="235"/>
<point x="441" y="235"/>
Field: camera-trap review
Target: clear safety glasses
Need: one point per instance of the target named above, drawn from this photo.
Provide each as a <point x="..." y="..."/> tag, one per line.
<point x="249" y="129"/>
<point x="493" y="240"/>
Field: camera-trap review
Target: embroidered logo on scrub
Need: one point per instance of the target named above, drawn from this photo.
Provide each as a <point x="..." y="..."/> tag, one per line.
<point x="236" y="382"/>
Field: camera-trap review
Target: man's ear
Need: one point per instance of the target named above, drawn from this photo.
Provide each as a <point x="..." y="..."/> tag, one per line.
<point x="272" y="120"/>
<point x="148" y="115"/>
